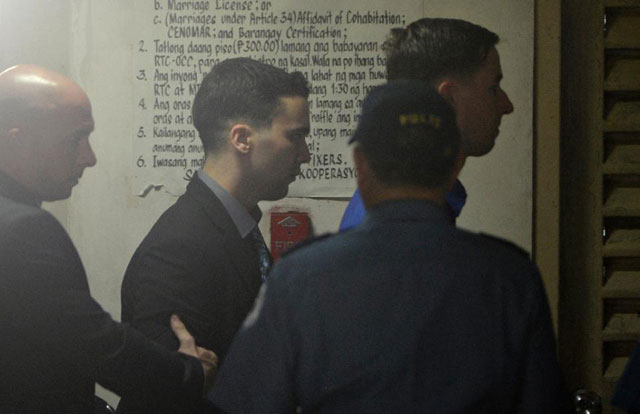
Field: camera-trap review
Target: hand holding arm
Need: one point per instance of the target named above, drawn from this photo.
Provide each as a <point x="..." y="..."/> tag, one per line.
<point x="208" y="359"/>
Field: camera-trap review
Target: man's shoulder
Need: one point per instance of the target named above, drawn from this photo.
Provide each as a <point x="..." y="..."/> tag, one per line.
<point x="190" y="232"/>
<point x="499" y="254"/>
<point x="17" y="215"/>
<point x="328" y="249"/>
<point x="25" y="228"/>
<point x="10" y="208"/>
<point x="505" y="244"/>
<point x="196" y="199"/>
<point x="194" y="215"/>
<point x="304" y="244"/>
<point x="509" y="263"/>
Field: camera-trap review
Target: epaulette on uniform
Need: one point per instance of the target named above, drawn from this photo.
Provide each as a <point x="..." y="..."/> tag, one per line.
<point x="505" y="242"/>
<point x="306" y="242"/>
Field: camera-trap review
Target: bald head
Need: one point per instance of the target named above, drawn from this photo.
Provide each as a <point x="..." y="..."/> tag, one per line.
<point x="45" y="123"/>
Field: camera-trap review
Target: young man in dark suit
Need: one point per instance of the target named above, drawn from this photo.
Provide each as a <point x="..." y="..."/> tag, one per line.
<point x="56" y="340"/>
<point x="205" y="258"/>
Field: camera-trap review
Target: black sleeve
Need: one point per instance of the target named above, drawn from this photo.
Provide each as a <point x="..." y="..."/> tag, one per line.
<point x="167" y="276"/>
<point x="44" y="285"/>
<point x="188" y="267"/>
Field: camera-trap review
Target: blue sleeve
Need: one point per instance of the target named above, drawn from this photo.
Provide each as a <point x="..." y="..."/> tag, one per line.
<point x="354" y="214"/>
<point x="627" y="393"/>
<point x="257" y="374"/>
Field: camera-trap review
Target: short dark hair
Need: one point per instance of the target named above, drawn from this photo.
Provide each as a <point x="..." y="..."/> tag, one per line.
<point x="241" y="90"/>
<point x="429" y="49"/>
<point x="408" y="134"/>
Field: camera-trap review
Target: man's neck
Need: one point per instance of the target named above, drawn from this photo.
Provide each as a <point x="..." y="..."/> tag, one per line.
<point x="229" y="176"/>
<point x="382" y="193"/>
<point x="14" y="189"/>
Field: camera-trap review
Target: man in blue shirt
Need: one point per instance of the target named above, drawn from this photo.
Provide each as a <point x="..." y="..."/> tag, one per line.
<point x="405" y="313"/>
<point x="460" y="61"/>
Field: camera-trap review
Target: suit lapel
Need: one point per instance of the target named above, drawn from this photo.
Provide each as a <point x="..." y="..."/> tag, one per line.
<point x="241" y="252"/>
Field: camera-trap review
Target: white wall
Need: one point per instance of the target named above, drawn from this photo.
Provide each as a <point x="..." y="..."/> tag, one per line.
<point x="89" y="40"/>
<point x="21" y="43"/>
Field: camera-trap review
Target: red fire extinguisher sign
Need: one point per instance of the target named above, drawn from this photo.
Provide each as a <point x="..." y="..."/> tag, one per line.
<point x="287" y="229"/>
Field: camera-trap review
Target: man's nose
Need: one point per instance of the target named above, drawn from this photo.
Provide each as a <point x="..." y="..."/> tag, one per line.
<point x="86" y="156"/>
<point x="507" y="106"/>
<point x="305" y="155"/>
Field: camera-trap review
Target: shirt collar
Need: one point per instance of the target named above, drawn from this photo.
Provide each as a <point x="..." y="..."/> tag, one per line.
<point x="408" y="210"/>
<point x="244" y="220"/>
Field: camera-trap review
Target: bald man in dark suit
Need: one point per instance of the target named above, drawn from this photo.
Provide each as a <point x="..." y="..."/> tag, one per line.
<point x="56" y="339"/>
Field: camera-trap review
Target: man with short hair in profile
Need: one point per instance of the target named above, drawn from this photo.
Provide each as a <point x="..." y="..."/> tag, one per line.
<point x="57" y="341"/>
<point x="459" y="59"/>
<point x="205" y="257"/>
<point x="405" y="313"/>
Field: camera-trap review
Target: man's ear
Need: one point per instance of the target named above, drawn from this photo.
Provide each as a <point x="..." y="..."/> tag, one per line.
<point x="12" y="135"/>
<point x="240" y="137"/>
<point x="362" y="166"/>
<point x="446" y="88"/>
<point x="17" y="151"/>
<point x="16" y="141"/>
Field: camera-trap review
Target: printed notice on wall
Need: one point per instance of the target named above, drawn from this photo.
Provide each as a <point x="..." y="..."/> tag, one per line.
<point x="336" y="44"/>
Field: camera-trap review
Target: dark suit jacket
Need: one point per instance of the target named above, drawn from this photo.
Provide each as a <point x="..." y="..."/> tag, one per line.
<point x="56" y="341"/>
<point x="194" y="263"/>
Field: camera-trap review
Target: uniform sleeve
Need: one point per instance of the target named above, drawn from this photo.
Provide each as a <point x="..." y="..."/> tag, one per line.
<point x="542" y="389"/>
<point x="44" y="289"/>
<point x="627" y="392"/>
<point x="257" y="375"/>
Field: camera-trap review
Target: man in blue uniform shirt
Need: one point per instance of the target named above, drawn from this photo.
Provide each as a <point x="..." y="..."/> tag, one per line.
<point x="406" y="313"/>
<point x="460" y="61"/>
